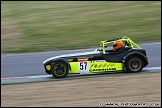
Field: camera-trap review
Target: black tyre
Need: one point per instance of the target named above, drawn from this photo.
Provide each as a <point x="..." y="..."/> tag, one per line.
<point x="59" y="69"/>
<point x="134" y="64"/>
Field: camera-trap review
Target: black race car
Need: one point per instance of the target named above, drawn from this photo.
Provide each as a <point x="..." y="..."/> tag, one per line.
<point x="125" y="56"/>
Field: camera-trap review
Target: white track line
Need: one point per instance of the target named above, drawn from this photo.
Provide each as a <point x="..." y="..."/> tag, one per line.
<point x="42" y="76"/>
<point x="152" y="68"/>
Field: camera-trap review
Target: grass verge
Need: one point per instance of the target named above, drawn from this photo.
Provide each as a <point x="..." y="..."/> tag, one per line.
<point x="63" y="25"/>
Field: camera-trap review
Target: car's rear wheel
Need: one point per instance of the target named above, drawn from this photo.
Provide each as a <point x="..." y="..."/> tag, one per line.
<point x="134" y="64"/>
<point x="59" y="69"/>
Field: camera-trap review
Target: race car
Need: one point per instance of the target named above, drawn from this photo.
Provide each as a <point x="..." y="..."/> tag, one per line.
<point x="123" y="55"/>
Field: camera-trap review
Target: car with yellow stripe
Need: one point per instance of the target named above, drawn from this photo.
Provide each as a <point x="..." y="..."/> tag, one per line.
<point x="129" y="58"/>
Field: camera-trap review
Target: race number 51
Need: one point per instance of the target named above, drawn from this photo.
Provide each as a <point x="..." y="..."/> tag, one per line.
<point x="83" y="67"/>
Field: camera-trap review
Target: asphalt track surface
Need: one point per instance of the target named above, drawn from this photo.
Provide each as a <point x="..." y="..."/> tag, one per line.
<point x="31" y="64"/>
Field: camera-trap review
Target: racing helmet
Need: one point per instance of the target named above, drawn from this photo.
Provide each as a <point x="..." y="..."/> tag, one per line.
<point x="117" y="45"/>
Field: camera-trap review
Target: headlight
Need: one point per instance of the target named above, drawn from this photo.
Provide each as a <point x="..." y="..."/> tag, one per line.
<point x="48" y="67"/>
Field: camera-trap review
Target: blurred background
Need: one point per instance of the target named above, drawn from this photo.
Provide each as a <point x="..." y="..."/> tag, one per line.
<point x="40" y="26"/>
<point x="34" y="26"/>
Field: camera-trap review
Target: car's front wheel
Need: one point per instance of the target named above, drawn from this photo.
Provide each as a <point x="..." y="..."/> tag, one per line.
<point x="134" y="64"/>
<point x="59" y="69"/>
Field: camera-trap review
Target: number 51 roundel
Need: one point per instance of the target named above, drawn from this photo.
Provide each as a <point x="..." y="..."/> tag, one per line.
<point x="83" y="65"/>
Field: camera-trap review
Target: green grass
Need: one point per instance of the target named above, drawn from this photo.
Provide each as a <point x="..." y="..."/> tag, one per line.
<point x="60" y="25"/>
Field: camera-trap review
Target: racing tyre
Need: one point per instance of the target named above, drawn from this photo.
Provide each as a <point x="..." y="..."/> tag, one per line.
<point x="134" y="64"/>
<point x="59" y="69"/>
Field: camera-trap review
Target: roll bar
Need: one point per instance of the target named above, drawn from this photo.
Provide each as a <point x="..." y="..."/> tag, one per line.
<point x="128" y="43"/>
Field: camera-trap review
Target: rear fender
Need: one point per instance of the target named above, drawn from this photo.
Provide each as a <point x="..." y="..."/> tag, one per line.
<point x="135" y="53"/>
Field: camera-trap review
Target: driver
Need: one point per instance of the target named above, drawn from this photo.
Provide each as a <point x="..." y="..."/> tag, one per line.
<point x="117" y="45"/>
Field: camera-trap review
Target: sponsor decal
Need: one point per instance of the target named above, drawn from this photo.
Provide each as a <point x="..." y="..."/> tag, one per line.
<point x="82" y="59"/>
<point x="108" y="69"/>
<point x="95" y="65"/>
<point x="103" y="65"/>
<point x="98" y="61"/>
<point x="100" y="65"/>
